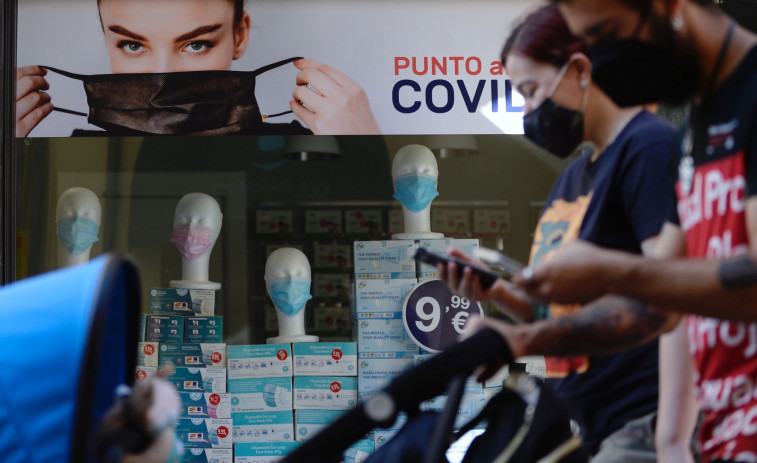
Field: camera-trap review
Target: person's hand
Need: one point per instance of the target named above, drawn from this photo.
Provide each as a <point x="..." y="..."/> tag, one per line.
<point x="578" y="272"/>
<point x="510" y="333"/>
<point x="32" y="103"/>
<point x="470" y="284"/>
<point x="330" y="103"/>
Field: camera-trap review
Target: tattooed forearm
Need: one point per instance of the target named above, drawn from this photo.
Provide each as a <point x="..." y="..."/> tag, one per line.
<point x="608" y="325"/>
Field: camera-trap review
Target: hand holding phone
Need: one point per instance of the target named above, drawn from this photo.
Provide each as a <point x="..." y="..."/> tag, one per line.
<point x="486" y="277"/>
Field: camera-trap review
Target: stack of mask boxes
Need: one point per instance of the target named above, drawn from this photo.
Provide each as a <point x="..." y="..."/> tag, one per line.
<point x="385" y="272"/>
<point x="325" y="384"/>
<point x="181" y="330"/>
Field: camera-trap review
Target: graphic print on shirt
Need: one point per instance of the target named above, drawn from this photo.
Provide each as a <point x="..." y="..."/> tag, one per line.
<point x="560" y="223"/>
<point x="712" y="214"/>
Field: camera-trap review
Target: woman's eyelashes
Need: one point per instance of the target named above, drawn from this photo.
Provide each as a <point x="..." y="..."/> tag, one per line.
<point x="198" y="46"/>
<point x="131" y="47"/>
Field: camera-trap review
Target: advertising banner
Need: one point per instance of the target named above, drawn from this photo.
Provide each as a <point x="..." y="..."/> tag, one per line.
<point x="135" y="67"/>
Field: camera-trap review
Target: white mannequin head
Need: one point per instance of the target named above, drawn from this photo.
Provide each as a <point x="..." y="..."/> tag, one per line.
<point x="287" y="273"/>
<point x="199" y="215"/>
<point x="75" y="203"/>
<point x="416" y="160"/>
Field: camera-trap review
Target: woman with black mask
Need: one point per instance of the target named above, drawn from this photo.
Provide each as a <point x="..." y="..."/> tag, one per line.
<point x="170" y="61"/>
<point x="599" y="357"/>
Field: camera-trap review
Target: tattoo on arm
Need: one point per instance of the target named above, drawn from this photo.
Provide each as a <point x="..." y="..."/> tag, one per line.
<point x="738" y="273"/>
<point x="610" y="325"/>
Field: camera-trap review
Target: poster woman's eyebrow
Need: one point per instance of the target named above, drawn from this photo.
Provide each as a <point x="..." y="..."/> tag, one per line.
<point x="197" y="32"/>
<point x="120" y="30"/>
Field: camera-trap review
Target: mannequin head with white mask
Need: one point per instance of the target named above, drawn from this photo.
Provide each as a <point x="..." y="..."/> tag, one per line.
<point x="196" y="227"/>
<point x="415" y="173"/>
<point x="77" y="218"/>
<point x="287" y="279"/>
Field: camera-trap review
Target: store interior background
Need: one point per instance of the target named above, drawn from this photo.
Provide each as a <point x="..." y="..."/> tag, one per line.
<point x="140" y="180"/>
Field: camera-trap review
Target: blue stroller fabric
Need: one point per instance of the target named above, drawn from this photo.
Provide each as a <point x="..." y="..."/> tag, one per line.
<point x="68" y="338"/>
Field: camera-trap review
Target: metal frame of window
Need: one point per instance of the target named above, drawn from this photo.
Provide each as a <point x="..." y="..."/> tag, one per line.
<point x="7" y="141"/>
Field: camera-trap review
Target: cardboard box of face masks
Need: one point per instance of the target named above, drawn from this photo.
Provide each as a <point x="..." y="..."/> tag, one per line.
<point x="259" y="360"/>
<point x="205" y="405"/>
<point x="208" y="456"/>
<point x="260" y="394"/>
<point x="165" y="328"/>
<point x="309" y="422"/>
<point x="199" y="379"/>
<point x="184" y="302"/>
<point x="193" y="355"/>
<point x="384" y="259"/>
<point x="205" y="433"/>
<point x="263" y="452"/>
<point x="200" y="330"/>
<point x="263" y="426"/>
<point x="468" y="246"/>
<point x="381" y="298"/>
<point x="325" y="392"/>
<point x="147" y="354"/>
<point x="325" y="358"/>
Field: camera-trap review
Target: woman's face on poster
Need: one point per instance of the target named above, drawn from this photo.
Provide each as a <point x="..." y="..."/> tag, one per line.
<point x="149" y="36"/>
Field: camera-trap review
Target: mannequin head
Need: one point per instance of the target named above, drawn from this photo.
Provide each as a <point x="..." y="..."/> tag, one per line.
<point x="287" y="279"/>
<point x="77" y="217"/>
<point x="196" y="227"/>
<point x="141" y="426"/>
<point x="415" y="174"/>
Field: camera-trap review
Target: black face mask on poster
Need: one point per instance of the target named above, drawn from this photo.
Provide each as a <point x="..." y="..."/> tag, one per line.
<point x="174" y="103"/>
<point x="632" y="72"/>
<point x="554" y="127"/>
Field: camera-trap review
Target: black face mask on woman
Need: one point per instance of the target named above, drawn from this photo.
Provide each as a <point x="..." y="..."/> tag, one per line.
<point x="174" y="103"/>
<point x="632" y="72"/>
<point x="554" y="127"/>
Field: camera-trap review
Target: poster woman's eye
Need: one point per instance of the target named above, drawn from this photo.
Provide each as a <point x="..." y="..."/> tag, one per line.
<point x="129" y="47"/>
<point x="198" y="46"/>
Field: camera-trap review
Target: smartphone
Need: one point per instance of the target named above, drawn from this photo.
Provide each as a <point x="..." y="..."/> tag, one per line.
<point x="432" y="258"/>
<point x="499" y="260"/>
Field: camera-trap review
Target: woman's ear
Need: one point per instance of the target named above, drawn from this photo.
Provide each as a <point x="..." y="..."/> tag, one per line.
<point x="242" y="35"/>
<point x="582" y="66"/>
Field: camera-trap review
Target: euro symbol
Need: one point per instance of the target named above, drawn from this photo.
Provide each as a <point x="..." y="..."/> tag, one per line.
<point x="458" y="321"/>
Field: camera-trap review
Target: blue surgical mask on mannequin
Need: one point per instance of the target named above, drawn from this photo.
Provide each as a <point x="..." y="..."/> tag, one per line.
<point x="415" y="191"/>
<point x="77" y="234"/>
<point x="290" y="295"/>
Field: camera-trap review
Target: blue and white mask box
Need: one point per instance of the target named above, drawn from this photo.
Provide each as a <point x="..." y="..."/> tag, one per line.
<point x="308" y="423"/>
<point x="208" y="456"/>
<point x="165" y="328"/>
<point x="263" y="452"/>
<point x="375" y="374"/>
<point x="325" y="358"/>
<point x="260" y="360"/>
<point x="205" y="433"/>
<point x="384" y="335"/>
<point x="142" y="326"/>
<point x="358" y="452"/>
<point x="468" y="246"/>
<point x="263" y="426"/>
<point x="260" y="394"/>
<point x="200" y="330"/>
<point x="205" y="405"/>
<point x="470" y="406"/>
<point x="384" y="259"/>
<point x="193" y="355"/>
<point x="332" y="256"/>
<point x="381" y="298"/>
<point x="147" y="354"/>
<point x="181" y="301"/>
<point x="325" y="392"/>
<point x="199" y="379"/>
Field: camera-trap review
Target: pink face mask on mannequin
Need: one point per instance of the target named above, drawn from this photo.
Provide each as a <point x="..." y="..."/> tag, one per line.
<point x="191" y="240"/>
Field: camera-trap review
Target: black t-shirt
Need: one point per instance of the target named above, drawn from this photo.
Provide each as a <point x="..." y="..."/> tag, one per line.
<point x="711" y="198"/>
<point x="616" y="202"/>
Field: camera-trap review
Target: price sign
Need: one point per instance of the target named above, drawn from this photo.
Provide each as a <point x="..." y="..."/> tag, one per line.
<point x="435" y="317"/>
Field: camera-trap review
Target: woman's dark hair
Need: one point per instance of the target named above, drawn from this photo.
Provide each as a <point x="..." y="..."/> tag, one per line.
<point x="124" y="429"/>
<point x="238" y="10"/>
<point x="543" y="36"/>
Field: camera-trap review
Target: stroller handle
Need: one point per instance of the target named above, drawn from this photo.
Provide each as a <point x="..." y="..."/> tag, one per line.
<point x="406" y="392"/>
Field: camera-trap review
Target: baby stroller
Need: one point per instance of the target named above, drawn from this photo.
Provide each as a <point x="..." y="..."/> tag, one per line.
<point x="524" y="423"/>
